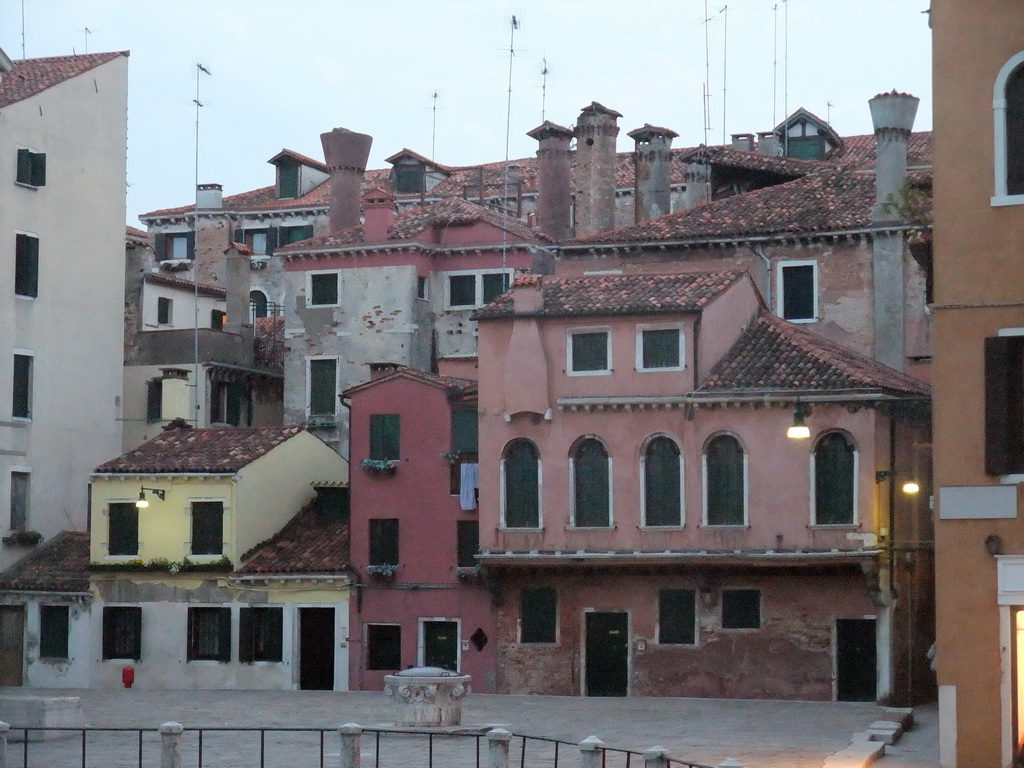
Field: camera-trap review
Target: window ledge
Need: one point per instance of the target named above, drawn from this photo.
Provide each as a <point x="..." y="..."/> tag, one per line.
<point x="666" y="369"/>
<point x="591" y="527"/>
<point x="503" y="529"/>
<point x="838" y="526"/>
<point x="712" y="527"/>
<point x="605" y="372"/>
<point x="999" y="201"/>
<point x="801" y="319"/>
<point x="26" y="185"/>
<point x="680" y="527"/>
<point x="25" y="297"/>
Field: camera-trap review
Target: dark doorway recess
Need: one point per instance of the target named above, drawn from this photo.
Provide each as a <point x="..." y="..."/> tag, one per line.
<point x="607" y="654"/>
<point x="856" y="673"/>
<point x="316" y="649"/>
<point x="441" y="644"/>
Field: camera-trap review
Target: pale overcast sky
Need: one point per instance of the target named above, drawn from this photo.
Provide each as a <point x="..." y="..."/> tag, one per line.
<point x="284" y="72"/>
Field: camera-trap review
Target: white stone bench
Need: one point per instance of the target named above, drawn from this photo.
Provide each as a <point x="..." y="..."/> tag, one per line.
<point x="41" y="712"/>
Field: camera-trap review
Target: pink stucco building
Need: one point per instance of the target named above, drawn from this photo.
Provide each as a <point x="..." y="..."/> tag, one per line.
<point x="649" y="526"/>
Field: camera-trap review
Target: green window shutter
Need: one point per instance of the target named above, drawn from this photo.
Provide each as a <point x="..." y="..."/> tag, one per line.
<point x="465" y="431"/>
<point x="274" y="627"/>
<point x="246" y="640"/>
<point x="323" y="289"/>
<point x="590" y="468"/>
<point x="725" y="481"/>
<point x="661" y="348"/>
<point x="123" y="529"/>
<point x="160" y="246"/>
<point x="272" y="239"/>
<point x="21" y="406"/>
<point x="384" y="549"/>
<point x="833" y="480"/>
<point x="39" y="169"/>
<point x="494" y="285"/>
<point x="238" y="235"/>
<point x="589" y="351"/>
<point x="53" y="631"/>
<point x="26" y="265"/>
<point x="384" y="436"/>
<point x="1015" y="132"/>
<point x="538" y="615"/>
<point x="462" y="290"/>
<point x="468" y="535"/>
<point x="741" y="609"/>
<point x="24" y="173"/>
<point x="677" y="617"/>
<point x="798" y="292"/>
<point x="154" y="399"/>
<point x="1004" y="405"/>
<point x="662" y="483"/>
<point x="223" y="634"/>
<point x="522" y="485"/>
<point x="190" y="249"/>
<point x="237" y="398"/>
<point x="207" y="528"/>
<point x="383" y="646"/>
<point x="323" y="384"/>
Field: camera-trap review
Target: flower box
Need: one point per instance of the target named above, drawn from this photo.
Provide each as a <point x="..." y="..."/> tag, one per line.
<point x="380" y="466"/>
<point x="382" y="572"/>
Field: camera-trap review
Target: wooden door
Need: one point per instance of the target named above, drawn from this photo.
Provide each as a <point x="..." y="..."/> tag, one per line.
<point x="12" y="644"/>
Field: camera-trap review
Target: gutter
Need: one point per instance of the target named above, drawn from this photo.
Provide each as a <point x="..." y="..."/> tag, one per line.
<point x="369" y="249"/>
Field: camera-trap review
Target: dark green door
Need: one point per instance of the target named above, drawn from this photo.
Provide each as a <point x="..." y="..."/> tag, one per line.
<point x="441" y="644"/>
<point x="856" y="673"/>
<point x="607" y="650"/>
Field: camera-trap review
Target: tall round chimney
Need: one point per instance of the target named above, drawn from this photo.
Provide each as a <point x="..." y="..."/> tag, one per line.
<point x="554" y="190"/>
<point x="345" y="153"/>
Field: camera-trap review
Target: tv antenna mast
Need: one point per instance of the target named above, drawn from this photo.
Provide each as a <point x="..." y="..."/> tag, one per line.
<point x="200" y="70"/>
<point x="543" y="88"/>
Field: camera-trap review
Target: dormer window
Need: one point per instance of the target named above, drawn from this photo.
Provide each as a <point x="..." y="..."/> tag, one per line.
<point x="1008" y="108"/>
<point x="408" y="178"/>
<point x="287" y="180"/>
<point x="806" y="136"/>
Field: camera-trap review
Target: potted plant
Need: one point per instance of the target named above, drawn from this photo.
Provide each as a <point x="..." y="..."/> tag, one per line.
<point x="384" y="572"/>
<point x="912" y="203"/>
<point x="380" y="466"/>
<point x="23" y="538"/>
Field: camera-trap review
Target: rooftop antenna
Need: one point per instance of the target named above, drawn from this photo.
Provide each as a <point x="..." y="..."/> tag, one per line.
<point x="775" y="64"/>
<point x="785" y="74"/>
<point x="707" y="74"/>
<point x="23" y="29"/>
<point x="200" y="70"/>
<point x="433" y="127"/>
<point x="828" y="113"/>
<point x="87" y="33"/>
<point x="513" y="26"/>
<point x="725" y="62"/>
<point x="543" y="88"/>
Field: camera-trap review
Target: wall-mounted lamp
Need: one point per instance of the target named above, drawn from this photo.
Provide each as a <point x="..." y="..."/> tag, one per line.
<point x="910" y="486"/>
<point x="799" y="430"/>
<point x="143" y="502"/>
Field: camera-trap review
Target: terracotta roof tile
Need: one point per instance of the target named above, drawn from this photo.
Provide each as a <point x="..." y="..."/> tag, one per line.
<point x="134" y="233"/>
<point x="773" y="354"/>
<point x="311" y="542"/>
<point x="455" y="383"/>
<point x="30" y="77"/>
<point x="594" y="296"/>
<point x="59" y="565"/>
<point x="859" y="151"/>
<point x="300" y="158"/>
<point x="216" y="451"/>
<point x="158" y="278"/>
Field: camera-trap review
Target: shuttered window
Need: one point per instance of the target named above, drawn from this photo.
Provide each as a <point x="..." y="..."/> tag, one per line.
<point x="122" y="633"/>
<point x="31" y="168"/>
<point x="590" y="479"/>
<point x="660" y="348"/>
<point x="833" y="480"/>
<point x="538" y="615"/>
<point x="662" y="483"/>
<point x="260" y="634"/>
<point x="323" y="289"/>
<point x="21" y="405"/>
<point x="209" y="634"/>
<point x="1004" y="405"/>
<point x="164" y="310"/>
<point x="323" y="384"/>
<point x="725" y="481"/>
<point x="677" y="617"/>
<point x="287" y="180"/>
<point x="588" y="352"/>
<point x="462" y="291"/>
<point x="207" y="527"/>
<point x="521" y="465"/>
<point x="798" y="292"/>
<point x="53" y="631"/>
<point x="20" y="494"/>
<point x="26" y="265"/>
<point x="465" y="431"/>
<point x="289" y="235"/>
<point x="217" y="319"/>
<point x="494" y="285"/>
<point x="385" y="429"/>
<point x="122" y="528"/>
<point x="384" y="541"/>
<point x="468" y="534"/>
<point x="383" y="646"/>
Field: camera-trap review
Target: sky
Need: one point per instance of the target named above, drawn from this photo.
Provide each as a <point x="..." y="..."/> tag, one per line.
<point x="283" y="73"/>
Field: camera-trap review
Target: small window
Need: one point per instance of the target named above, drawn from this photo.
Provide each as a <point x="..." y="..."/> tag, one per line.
<point x="798" y="292"/>
<point x="209" y="634"/>
<point x="289" y="235"/>
<point x="725" y="482"/>
<point x="384" y="541"/>
<point x="1004" y="405"/>
<point x="474" y="289"/>
<point x="260" y="634"/>
<point x="677" y="617"/>
<point x="383" y="646"/>
<point x="257" y="240"/>
<point x="465" y="431"/>
<point x="741" y="609"/>
<point x="591" y="487"/>
<point x="521" y="474"/>
<point x="468" y="534"/>
<point x="164" y="311"/>
<point x="154" y="400"/>
<point x="408" y="178"/>
<point x="181" y="246"/>
<point x="31" y="168"/>
<point x="287" y="180"/>
<point x="323" y="386"/>
<point x="26" y="265"/>
<point x="21" y="405"/>
<point x="323" y="289"/>
<point x="422" y="287"/>
<point x="53" y="631"/>
<point x="538" y="615"/>
<point x="20" y="494"/>
<point x="122" y="633"/>
<point x="258" y="304"/>
<point x="122" y="528"/>
<point x="230" y="403"/>
<point x="660" y="348"/>
<point x="462" y="290"/>
<point x="385" y="433"/>
<point x="217" y="319"/>
<point x="494" y="285"/>
<point x="207" y="527"/>
<point x="662" y="483"/>
<point x="589" y="352"/>
<point x="834" y="461"/>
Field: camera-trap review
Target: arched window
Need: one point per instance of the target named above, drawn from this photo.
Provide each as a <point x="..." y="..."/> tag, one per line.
<point x="521" y="479"/>
<point x="725" y="484"/>
<point x="1008" y="108"/>
<point x="258" y="302"/>
<point x="834" y="475"/>
<point x="662" y="483"/>
<point x="591" y="497"/>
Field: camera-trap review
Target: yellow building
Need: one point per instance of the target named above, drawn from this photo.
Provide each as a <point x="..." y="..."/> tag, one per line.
<point x="979" y="378"/>
<point x="172" y="519"/>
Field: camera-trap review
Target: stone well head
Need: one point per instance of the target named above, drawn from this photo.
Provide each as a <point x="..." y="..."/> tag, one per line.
<point x="427" y="696"/>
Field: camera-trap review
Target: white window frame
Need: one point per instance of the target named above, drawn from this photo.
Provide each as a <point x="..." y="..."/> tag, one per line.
<point x="704" y="485"/>
<point x="644" y="327"/>
<point x="572" y="487"/>
<point x="225" y="530"/>
<point x="643" y="485"/>
<point x="171" y="239"/>
<point x="309" y="287"/>
<point x="478" y="296"/>
<point x="170" y="312"/>
<point x="1001" y="197"/>
<point x="253" y="234"/>
<point x="20" y="469"/>
<point x="780" y="292"/>
<point x="421" y="639"/>
<point x="18" y="351"/>
<point x="309" y="386"/>
<point x="570" y="332"/>
<point x="856" y="483"/>
<point x="426" y="287"/>
<point x="540" y="495"/>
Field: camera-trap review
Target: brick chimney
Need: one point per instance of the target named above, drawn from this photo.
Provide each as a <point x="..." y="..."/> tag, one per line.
<point x="652" y="164"/>
<point x="213" y="233"/>
<point x="378" y="215"/>
<point x="554" y="193"/>
<point x="345" y="153"/>
<point x="893" y="117"/>
<point x="237" y="285"/>
<point x="596" y="163"/>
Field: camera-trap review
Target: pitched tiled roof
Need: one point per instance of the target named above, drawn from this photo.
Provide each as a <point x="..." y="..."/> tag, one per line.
<point x="311" y="542"/>
<point x="859" y="151"/>
<point x="456" y="383"/>
<point x="33" y="76"/>
<point x="728" y="157"/>
<point x="292" y="155"/>
<point x="773" y="354"/>
<point x="216" y="451"/>
<point x="158" y="278"/>
<point x="59" y="565"/>
<point x="595" y="295"/>
<point x="135" y="234"/>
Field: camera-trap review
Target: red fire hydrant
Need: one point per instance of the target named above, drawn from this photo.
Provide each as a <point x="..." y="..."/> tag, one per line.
<point x="128" y="676"/>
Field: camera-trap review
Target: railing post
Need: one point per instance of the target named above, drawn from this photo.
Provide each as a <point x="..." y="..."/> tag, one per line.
<point x="349" y="735"/>
<point x="4" y="728"/>
<point x="497" y="748"/>
<point x="170" y="745"/>
<point x="656" y="757"/>
<point x="591" y="752"/>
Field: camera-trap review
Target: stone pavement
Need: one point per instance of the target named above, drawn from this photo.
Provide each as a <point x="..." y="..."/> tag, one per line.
<point x="759" y="734"/>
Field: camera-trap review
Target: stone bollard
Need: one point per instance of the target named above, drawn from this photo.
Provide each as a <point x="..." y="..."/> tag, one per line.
<point x="591" y="752"/>
<point x="4" y="728"/>
<point x="730" y="762"/>
<point x="656" y="757"/>
<point x="170" y="745"/>
<point x="497" y="748"/>
<point x="349" y="755"/>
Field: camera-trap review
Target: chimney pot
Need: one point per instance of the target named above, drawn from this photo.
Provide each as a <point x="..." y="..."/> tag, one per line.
<point x="652" y="176"/>
<point x="209" y="197"/>
<point x="554" y="193"/>
<point x="345" y="154"/>
<point x="744" y="141"/>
